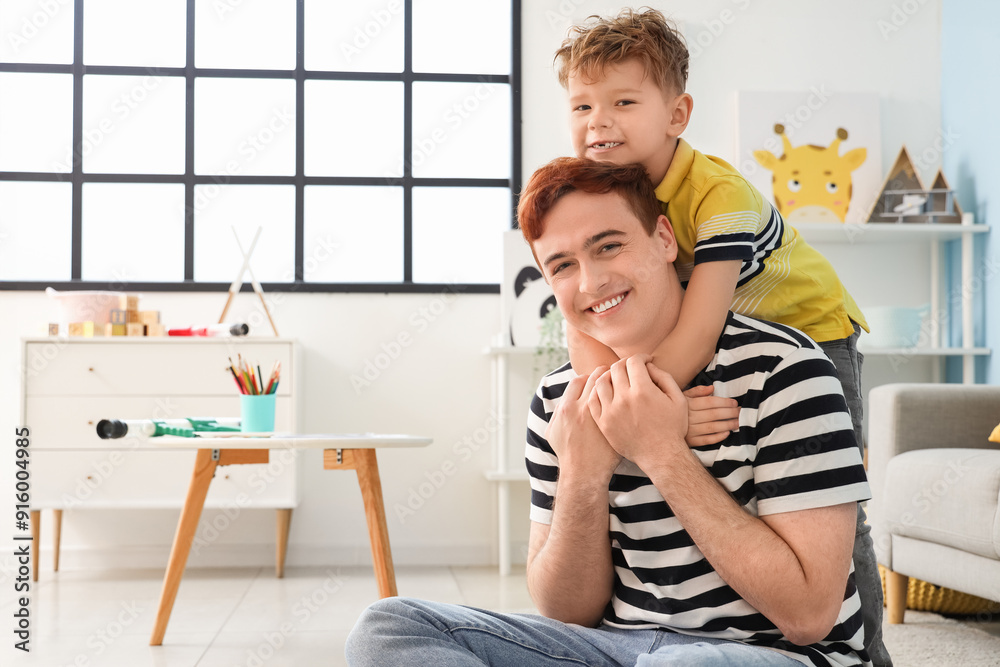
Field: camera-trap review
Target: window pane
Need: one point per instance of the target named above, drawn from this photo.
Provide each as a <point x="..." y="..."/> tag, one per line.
<point x="245" y="35"/>
<point x="353" y="234"/>
<point x="343" y="141"/>
<point x="123" y="32"/>
<point x="36" y="32"/>
<point x="133" y="232"/>
<point x="36" y="122"/>
<point x="461" y="36"/>
<point x="35" y="221"/>
<point x="461" y="130"/>
<point x="244" y="126"/>
<point x="457" y="234"/>
<point x="219" y="208"/>
<point x="133" y="124"/>
<point x="357" y="36"/>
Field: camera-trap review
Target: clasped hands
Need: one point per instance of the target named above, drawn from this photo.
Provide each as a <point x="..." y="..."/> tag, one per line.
<point x="636" y="411"/>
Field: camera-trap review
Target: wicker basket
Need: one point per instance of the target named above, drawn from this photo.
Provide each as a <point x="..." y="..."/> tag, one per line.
<point x="922" y="596"/>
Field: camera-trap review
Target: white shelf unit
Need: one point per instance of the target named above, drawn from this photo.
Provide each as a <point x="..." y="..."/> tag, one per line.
<point x="508" y="439"/>
<point x="885" y="237"/>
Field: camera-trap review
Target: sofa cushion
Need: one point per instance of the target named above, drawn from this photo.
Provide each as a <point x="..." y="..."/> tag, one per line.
<point x="946" y="496"/>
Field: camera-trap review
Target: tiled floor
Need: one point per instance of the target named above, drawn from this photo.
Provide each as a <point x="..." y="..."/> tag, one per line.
<point x="233" y="618"/>
<point x="239" y="617"/>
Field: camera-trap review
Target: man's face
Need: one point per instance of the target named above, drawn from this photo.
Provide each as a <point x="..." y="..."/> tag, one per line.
<point x="622" y="117"/>
<point x="611" y="279"/>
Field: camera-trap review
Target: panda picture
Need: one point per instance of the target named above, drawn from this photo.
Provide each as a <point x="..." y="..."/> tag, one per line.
<point x="527" y="298"/>
<point x="533" y="300"/>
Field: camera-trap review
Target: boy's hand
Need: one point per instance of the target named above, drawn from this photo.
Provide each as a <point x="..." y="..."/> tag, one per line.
<point x="710" y="418"/>
<point x="641" y="411"/>
<point x="585" y="353"/>
<point x="573" y="434"/>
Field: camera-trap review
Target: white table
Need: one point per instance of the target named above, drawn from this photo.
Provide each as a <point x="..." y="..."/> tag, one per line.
<point x="340" y="452"/>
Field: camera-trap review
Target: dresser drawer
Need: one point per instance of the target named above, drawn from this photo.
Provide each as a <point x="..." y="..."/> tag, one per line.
<point x="160" y="368"/>
<point x="63" y="422"/>
<point x="141" y="478"/>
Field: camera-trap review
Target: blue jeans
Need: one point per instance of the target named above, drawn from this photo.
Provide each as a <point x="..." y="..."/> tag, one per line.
<point x="408" y="632"/>
<point x="845" y="356"/>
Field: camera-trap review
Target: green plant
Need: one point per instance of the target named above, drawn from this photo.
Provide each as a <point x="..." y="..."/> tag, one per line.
<point x="551" y="352"/>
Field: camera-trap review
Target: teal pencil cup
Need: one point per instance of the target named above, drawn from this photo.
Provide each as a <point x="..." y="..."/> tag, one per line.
<point x="257" y="413"/>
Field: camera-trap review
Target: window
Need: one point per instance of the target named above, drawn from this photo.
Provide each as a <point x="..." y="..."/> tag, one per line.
<point x="374" y="143"/>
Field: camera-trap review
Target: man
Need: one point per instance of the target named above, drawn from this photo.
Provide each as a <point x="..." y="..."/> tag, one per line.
<point x="644" y="550"/>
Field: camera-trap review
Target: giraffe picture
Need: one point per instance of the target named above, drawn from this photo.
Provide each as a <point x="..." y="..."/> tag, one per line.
<point x="815" y="155"/>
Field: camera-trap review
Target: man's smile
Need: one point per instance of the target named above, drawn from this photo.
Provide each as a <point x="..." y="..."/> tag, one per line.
<point x="608" y="304"/>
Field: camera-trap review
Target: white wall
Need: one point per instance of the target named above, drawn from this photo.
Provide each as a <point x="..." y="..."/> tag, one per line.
<point x="764" y="45"/>
<point x="439" y="386"/>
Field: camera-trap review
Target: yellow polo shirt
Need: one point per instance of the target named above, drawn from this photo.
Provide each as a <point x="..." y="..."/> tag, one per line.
<point x="718" y="215"/>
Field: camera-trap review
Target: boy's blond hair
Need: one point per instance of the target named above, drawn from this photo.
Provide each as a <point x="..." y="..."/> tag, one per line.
<point x="646" y="36"/>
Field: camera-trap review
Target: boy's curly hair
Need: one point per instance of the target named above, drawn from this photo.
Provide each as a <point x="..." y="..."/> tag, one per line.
<point x="645" y="35"/>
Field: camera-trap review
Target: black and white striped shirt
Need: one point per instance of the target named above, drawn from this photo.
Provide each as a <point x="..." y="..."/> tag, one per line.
<point x="794" y="450"/>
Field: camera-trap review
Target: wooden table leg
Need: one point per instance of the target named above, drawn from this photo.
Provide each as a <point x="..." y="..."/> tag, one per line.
<point x="378" y="533"/>
<point x="204" y="469"/>
<point x="57" y="542"/>
<point x="284" y="523"/>
<point x="36" y="540"/>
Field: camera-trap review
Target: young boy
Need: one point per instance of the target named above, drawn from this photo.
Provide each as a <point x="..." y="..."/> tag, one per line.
<point x="626" y="77"/>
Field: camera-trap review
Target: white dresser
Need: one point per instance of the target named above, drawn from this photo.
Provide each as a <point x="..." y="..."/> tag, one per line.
<point x="69" y="384"/>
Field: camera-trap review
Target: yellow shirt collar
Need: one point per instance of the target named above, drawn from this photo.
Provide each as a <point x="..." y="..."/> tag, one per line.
<point x="678" y="170"/>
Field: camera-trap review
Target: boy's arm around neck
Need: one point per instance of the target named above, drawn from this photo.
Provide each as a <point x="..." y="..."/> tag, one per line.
<point x="689" y="347"/>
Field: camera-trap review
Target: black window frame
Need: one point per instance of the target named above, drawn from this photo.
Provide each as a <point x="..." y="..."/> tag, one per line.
<point x="189" y="179"/>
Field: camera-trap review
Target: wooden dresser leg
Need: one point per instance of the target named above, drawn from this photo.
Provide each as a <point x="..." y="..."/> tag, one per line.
<point x="378" y="533"/>
<point x="57" y="527"/>
<point x="895" y="595"/>
<point x="284" y="524"/>
<point x="36" y="541"/>
<point x="204" y="469"/>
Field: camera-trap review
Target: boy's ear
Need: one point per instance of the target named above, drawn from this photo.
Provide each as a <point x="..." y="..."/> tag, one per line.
<point x="680" y="114"/>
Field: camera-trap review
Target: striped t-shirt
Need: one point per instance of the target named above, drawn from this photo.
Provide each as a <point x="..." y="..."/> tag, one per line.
<point x="794" y="450"/>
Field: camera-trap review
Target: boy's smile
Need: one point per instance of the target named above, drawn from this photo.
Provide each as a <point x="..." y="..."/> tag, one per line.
<point x="610" y="277"/>
<point x="623" y="116"/>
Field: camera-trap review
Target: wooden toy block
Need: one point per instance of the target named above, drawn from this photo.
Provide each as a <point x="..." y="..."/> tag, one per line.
<point x="149" y="316"/>
<point x="53" y="328"/>
<point x="156" y="329"/>
<point x="84" y="329"/>
<point x="135" y="329"/>
<point x="114" y="329"/>
<point x="119" y="316"/>
<point x="129" y="302"/>
<point x="132" y="316"/>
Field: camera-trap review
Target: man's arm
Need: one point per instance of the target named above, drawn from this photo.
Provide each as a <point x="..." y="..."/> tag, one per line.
<point x="792" y="567"/>
<point x="570" y="573"/>
<point x="691" y="344"/>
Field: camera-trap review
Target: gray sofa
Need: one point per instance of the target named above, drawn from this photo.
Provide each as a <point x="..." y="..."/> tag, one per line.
<point x="935" y="482"/>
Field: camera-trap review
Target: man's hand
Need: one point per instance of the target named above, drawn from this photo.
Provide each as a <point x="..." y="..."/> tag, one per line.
<point x="710" y="418"/>
<point x="573" y="434"/>
<point x="641" y="411"/>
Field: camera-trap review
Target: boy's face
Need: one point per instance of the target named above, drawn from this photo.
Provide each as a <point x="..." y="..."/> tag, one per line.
<point x="612" y="280"/>
<point x="624" y="116"/>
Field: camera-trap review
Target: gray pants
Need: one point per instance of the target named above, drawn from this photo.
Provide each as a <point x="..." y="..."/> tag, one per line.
<point x="845" y="356"/>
